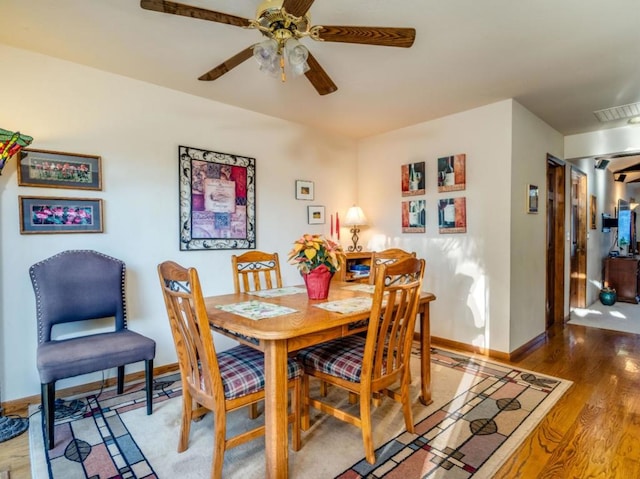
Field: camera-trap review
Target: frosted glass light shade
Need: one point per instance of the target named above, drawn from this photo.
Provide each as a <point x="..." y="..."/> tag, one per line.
<point x="355" y="217"/>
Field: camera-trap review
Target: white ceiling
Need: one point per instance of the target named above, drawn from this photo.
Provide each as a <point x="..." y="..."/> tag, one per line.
<point x="561" y="59"/>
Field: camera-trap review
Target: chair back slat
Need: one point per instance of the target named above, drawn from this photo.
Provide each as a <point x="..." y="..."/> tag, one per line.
<point x="256" y="271"/>
<point x="395" y="304"/>
<point x="191" y="332"/>
<point x="387" y="256"/>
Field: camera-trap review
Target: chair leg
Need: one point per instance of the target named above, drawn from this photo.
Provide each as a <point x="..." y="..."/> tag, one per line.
<point x="365" y="425"/>
<point x="219" y="444"/>
<point x="149" y="385"/>
<point x="324" y="389"/>
<point x="47" y="398"/>
<point x="406" y="403"/>
<point x="296" y="402"/>
<point x="304" y="418"/>
<point x="187" y="414"/>
<point x="253" y="410"/>
<point x="120" y="379"/>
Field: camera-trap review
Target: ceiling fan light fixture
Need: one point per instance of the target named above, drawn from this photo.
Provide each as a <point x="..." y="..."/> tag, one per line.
<point x="266" y="53"/>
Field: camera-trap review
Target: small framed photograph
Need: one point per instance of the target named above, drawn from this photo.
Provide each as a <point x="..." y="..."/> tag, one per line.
<point x="315" y="215"/>
<point x="452" y="174"/>
<point x="60" y="215"/>
<point x="53" y="169"/>
<point x="532" y="198"/>
<point x="452" y="215"/>
<point x="413" y="179"/>
<point x="304" y="190"/>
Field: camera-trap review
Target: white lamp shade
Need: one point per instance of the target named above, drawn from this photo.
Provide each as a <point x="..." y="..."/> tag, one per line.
<point x="355" y="217"/>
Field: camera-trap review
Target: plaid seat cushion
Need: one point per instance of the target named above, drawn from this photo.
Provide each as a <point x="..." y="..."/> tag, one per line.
<point x="242" y="371"/>
<point x="340" y="357"/>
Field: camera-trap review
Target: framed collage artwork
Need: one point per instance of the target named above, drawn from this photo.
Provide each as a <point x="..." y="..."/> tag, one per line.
<point x="217" y="200"/>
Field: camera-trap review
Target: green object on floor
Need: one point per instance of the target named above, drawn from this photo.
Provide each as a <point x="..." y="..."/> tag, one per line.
<point x="608" y="297"/>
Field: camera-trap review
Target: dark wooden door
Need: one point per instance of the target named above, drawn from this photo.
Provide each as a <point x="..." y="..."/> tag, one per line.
<point x="555" y="204"/>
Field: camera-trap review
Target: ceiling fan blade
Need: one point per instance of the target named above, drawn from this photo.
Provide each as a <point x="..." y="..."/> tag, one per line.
<point x="297" y="8"/>
<point x="318" y="77"/>
<point x="166" y="6"/>
<point x="228" y="65"/>
<point x="385" y="36"/>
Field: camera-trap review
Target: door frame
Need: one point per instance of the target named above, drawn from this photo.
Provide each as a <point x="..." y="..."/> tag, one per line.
<point x="578" y="233"/>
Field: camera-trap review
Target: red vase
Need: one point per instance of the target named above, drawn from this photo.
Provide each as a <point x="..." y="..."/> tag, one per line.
<point x="317" y="282"/>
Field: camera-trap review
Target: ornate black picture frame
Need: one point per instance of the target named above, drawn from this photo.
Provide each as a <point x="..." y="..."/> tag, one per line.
<point x="217" y="200"/>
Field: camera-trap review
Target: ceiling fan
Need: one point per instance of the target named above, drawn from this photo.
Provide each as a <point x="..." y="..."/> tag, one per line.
<point x="283" y="22"/>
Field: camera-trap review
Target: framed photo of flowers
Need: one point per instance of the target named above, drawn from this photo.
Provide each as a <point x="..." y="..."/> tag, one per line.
<point x="60" y="215"/>
<point x="217" y="200"/>
<point x="54" y="169"/>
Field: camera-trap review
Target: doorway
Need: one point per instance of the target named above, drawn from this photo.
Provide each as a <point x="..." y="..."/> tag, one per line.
<point x="554" y="310"/>
<point x="578" y="284"/>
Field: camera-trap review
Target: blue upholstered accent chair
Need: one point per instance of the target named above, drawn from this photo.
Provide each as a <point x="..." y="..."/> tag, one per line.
<point x="373" y="364"/>
<point x="211" y="381"/>
<point x="75" y="286"/>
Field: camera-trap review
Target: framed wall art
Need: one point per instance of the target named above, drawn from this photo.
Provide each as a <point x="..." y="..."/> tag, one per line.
<point x="451" y="173"/>
<point x="532" y="198"/>
<point x="452" y="215"/>
<point x="413" y="179"/>
<point x="217" y="200"/>
<point x="315" y="215"/>
<point x="414" y="216"/>
<point x="60" y="215"/>
<point x="593" y="212"/>
<point x="304" y="190"/>
<point x="53" y="169"/>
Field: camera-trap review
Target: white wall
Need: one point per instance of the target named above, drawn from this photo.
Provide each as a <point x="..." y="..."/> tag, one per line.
<point x="469" y="273"/>
<point x="532" y="141"/>
<point x="136" y="129"/>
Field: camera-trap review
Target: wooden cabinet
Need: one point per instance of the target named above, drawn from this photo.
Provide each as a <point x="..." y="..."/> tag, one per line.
<point x="622" y="274"/>
<point x="347" y="264"/>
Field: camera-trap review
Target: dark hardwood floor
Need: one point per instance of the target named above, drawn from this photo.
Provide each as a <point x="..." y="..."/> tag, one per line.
<point x="592" y="432"/>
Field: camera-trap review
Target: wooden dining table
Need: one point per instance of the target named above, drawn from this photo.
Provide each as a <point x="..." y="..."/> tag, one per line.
<point x="304" y="324"/>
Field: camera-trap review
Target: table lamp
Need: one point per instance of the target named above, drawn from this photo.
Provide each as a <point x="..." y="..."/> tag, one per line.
<point x="355" y="218"/>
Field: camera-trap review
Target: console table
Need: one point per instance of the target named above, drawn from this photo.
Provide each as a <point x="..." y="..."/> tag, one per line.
<point x="623" y="275"/>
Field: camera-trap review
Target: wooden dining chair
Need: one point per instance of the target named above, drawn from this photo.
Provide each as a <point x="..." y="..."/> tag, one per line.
<point x="255" y="271"/>
<point x="387" y="256"/>
<point x="211" y="381"/>
<point x="374" y="364"/>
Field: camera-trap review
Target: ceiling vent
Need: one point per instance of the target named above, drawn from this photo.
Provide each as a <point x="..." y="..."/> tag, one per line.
<point x="601" y="164"/>
<point x="623" y="112"/>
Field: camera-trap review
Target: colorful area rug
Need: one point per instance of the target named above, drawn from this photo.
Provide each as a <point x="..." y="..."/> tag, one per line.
<point x="481" y="412"/>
